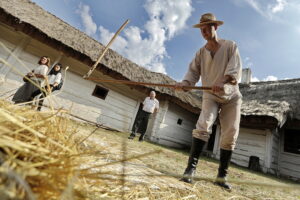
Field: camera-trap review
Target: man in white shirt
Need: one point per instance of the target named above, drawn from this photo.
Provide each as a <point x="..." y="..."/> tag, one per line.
<point x="219" y="65"/>
<point x="150" y="105"/>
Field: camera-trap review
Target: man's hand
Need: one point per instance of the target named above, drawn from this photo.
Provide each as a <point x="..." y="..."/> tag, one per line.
<point x="224" y="85"/>
<point x="218" y="87"/>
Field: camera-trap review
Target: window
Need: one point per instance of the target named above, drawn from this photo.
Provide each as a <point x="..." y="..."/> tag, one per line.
<point x="179" y="121"/>
<point x="100" y="92"/>
<point x="292" y="141"/>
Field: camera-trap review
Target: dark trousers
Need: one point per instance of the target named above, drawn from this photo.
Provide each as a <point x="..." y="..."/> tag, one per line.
<point x="42" y="97"/>
<point x="141" y="122"/>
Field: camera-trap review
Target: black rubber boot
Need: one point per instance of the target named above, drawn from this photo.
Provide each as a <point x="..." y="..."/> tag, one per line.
<point x="225" y="157"/>
<point x="132" y="135"/>
<point x="196" y="149"/>
<point x="142" y="138"/>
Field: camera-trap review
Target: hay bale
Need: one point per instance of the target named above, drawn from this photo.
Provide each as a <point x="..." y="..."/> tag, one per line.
<point x="35" y="153"/>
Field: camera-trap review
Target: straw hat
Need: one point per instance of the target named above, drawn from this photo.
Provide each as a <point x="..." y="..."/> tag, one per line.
<point x="208" y="18"/>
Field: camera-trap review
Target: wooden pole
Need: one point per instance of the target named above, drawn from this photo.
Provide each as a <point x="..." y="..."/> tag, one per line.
<point x="151" y="84"/>
<point x="105" y="49"/>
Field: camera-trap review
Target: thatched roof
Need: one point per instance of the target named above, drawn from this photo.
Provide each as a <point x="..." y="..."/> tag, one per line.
<point x="278" y="99"/>
<point x="31" y="19"/>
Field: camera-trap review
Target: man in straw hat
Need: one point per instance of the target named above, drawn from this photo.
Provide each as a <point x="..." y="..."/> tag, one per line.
<point x="219" y="65"/>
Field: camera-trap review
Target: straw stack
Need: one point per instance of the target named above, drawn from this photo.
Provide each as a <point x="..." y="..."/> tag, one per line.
<point x="35" y="153"/>
<point x="46" y="156"/>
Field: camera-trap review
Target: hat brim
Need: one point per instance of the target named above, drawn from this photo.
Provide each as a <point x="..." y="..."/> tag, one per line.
<point x="218" y="23"/>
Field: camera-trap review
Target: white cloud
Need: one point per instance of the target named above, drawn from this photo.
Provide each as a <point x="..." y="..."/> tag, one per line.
<point x="254" y="79"/>
<point x="268" y="9"/>
<point x="256" y="6"/>
<point x="105" y="36"/>
<point x="90" y="27"/>
<point x="298" y="29"/>
<point x="270" y="78"/>
<point x="286" y="12"/>
<point x="169" y="15"/>
<point x="166" y="19"/>
<point x="279" y="6"/>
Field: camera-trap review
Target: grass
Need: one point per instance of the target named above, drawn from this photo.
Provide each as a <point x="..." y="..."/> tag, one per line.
<point x="44" y="155"/>
<point x="172" y="161"/>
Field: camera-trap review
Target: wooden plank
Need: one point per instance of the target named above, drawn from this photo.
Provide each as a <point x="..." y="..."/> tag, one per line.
<point x="173" y="142"/>
<point x="290" y="173"/>
<point x="10" y="36"/>
<point x="171" y="131"/>
<point x="3" y="52"/>
<point x="250" y="143"/>
<point x="290" y="158"/>
<point x="104" y="109"/>
<point x="38" y="49"/>
<point x="253" y="131"/>
<point x="185" y="120"/>
<point x="76" y="86"/>
<point x="249" y="153"/>
<point x="173" y="124"/>
<point x="179" y="135"/>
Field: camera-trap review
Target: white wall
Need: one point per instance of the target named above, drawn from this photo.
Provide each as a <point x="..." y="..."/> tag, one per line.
<point x="172" y="134"/>
<point x="289" y="163"/>
<point x="251" y="142"/>
<point x="275" y="152"/>
<point x="156" y="120"/>
<point x="117" y="110"/>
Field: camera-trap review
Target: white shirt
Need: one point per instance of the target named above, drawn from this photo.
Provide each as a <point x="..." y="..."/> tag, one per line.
<point x="41" y="69"/>
<point x="54" y="78"/>
<point x="150" y="104"/>
<point x="226" y="61"/>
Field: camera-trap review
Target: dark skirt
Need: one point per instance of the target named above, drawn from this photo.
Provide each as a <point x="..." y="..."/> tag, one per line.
<point x="25" y="92"/>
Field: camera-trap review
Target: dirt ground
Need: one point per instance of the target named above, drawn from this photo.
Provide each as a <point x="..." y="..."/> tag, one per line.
<point x="129" y="169"/>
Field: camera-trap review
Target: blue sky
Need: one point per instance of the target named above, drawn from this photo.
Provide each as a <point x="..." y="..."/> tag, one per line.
<point x="160" y="36"/>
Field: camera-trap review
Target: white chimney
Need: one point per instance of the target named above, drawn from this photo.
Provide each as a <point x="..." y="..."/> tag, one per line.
<point x="246" y="75"/>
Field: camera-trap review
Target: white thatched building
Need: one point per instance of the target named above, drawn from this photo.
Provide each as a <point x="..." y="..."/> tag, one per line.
<point x="270" y="112"/>
<point x="29" y="32"/>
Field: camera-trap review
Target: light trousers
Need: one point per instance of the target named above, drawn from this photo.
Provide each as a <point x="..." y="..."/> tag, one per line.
<point x="229" y="114"/>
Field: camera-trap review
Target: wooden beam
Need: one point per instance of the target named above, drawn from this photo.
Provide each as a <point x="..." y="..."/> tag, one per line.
<point x="258" y="122"/>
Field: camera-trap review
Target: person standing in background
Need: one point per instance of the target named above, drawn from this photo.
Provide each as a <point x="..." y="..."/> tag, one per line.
<point x="150" y="106"/>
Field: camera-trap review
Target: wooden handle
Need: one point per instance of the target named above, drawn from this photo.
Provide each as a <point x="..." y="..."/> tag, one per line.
<point x="105" y="49"/>
<point x="151" y="84"/>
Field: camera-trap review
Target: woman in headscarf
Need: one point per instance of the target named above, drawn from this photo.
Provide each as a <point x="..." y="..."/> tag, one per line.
<point x="54" y="80"/>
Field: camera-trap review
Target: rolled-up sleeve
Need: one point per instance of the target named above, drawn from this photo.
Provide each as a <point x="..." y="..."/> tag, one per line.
<point x="157" y="105"/>
<point x="194" y="71"/>
<point x="234" y="66"/>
